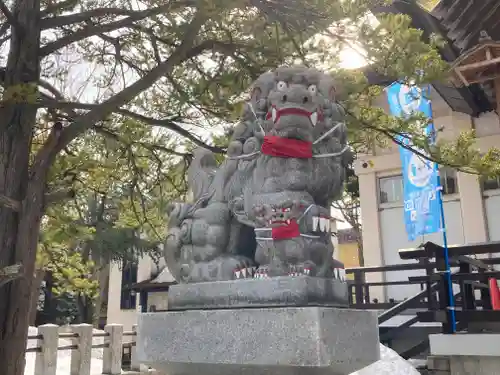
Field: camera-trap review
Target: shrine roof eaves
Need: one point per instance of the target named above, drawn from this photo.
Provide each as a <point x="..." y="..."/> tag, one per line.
<point x="472" y="100"/>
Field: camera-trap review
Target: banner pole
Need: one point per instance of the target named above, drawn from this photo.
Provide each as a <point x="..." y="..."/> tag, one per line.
<point x="451" y="301"/>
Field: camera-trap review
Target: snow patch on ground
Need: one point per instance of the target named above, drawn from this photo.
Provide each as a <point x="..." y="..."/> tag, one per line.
<point x="390" y="363"/>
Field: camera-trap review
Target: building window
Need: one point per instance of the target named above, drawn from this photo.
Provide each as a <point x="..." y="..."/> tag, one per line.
<point x="491" y="183"/>
<point x="391" y="189"/>
<point x="129" y="278"/>
<point x="448" y="180"/>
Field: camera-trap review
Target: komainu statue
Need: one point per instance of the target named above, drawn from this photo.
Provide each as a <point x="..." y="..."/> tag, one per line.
<point x="265" y="211"/>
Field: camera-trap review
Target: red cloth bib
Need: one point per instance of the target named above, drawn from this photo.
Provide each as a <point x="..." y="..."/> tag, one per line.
<point x="286" y="231"/>
<point x="286" y="147"/>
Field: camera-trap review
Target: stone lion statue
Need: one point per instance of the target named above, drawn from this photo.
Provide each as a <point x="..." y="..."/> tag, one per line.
<point x="265" y="211"/>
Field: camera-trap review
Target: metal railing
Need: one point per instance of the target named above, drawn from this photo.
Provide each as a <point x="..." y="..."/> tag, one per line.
<point x="470" y="276"/>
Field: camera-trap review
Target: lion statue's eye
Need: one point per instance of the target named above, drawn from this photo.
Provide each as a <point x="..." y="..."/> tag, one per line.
<point x="281" y="86"/>
<point x="312" y="89"/>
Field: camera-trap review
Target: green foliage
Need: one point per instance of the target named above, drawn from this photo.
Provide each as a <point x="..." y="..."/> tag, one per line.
<point x="351" y="183"/>
<point x="395" y="50"/>
<point x="117" y="212"/>
<point x="428" y="5"/>
<point x="71" y="273"/>
<point x="128" y="166"/>
<point x="24" y="93"/>
<point x="131" y="135"/>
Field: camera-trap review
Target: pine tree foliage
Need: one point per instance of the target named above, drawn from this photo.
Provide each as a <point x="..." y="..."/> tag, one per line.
<point x="396" y="50"/>
<point x="113" y="44"/>
<point x="132" y="160"/>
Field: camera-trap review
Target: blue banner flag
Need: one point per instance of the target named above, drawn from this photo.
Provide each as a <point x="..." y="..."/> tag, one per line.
<point x="422" y="210"/>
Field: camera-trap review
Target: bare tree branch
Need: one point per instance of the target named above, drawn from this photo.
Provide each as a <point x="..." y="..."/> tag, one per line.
<point x="395" y="136"/>
<point x="184" y="51"/>
<point x="95" y="29"/>
<point x="172" y="126"/>
<point x="70" y="19"/>
<point x="59" y="196"/>
<point x="108" y="133"/>
<point x="51" y="88"/>
<point x="169" y="124"/>
<point x="349" y="208"/>
<point x="3" y="29"/>
<point x="58" y="7"/>
<point x="8" y="14"/>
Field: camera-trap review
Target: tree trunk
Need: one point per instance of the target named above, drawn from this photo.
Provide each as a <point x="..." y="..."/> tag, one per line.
<point x="83" y="310"/>
<point x="103" y="278"/>
<point x="85" y="304"/>
<point x="361" y="255"/>
<point x="20" y="222"/>
<point x="18" y="240"/>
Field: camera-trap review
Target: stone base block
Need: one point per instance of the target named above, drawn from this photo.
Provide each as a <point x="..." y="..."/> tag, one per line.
<point x="275" y="291"/>
<point x="259" y="341"/>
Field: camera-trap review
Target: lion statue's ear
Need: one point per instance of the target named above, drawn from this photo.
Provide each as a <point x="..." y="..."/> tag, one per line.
<point x="262" y="86"/>
<point x="328" y="88"/>
<point x="337" y="93"/>
<point x="255" y="95"/>
<point x="332" y="94"/>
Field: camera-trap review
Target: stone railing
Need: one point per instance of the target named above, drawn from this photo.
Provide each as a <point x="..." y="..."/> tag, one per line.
<point x="81" y="337"/>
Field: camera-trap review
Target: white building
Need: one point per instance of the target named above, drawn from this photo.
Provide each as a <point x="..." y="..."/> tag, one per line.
<point x="137" y="287"/>
<point x="471" y="206"/>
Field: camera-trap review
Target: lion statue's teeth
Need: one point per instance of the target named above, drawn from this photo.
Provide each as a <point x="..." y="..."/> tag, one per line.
<point x="314" y="118"/>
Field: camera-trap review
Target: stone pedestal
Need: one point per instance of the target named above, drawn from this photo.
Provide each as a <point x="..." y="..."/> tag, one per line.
<point x="290" y="325"/>
<point x="259" y="341"/>
<point x="273" y="292"/>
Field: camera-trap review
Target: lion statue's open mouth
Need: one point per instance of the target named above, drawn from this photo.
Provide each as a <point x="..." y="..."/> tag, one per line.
<point x="275" y="114"/>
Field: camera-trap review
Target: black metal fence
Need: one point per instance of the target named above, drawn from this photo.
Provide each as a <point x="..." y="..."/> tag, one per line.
<point x="470" y="276"/>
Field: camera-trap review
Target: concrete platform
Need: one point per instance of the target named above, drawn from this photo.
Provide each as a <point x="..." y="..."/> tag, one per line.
<point x="295" y="291"/>
<point x="259" y="341"/>
<point x="465" y="353"/>
<point x="465" y="344"/>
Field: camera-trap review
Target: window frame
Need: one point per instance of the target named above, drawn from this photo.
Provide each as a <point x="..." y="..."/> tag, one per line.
<point x="445" y="173"/>
<point x="394" y="178"/>
<point x="128" y="297"/>
<point x="488" y="190"/>
<point x="443" y="180"/>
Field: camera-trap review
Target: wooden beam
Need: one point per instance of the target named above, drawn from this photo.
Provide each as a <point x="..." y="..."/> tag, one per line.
<point x="497" y="93"/>
<point x="462" y="78"/>
<point x="490" y="77"/>
<point x="479" y="64"/>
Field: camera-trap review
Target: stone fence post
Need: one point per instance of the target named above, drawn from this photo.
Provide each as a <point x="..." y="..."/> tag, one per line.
<point x="81" y="356"/>
<point x="46" y="358"/>
<point x="135" y="365"/>
<point x="112" y="354"/>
